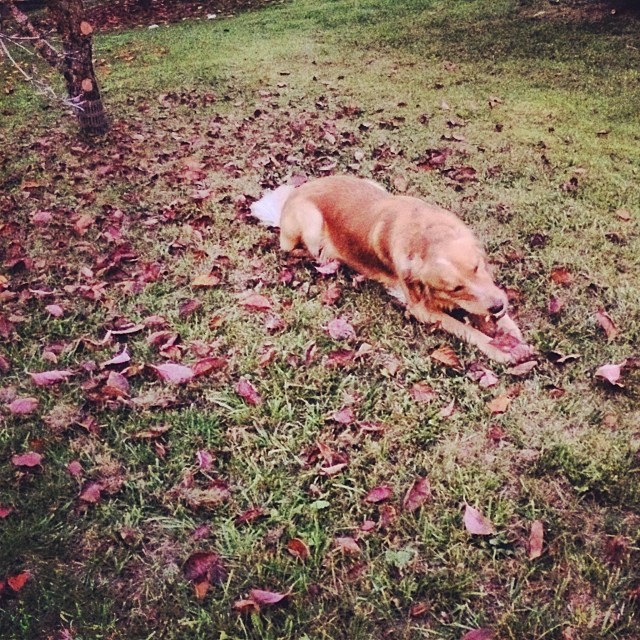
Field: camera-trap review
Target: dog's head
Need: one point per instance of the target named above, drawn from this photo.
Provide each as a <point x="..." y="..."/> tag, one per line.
<point x="453" y="273"/>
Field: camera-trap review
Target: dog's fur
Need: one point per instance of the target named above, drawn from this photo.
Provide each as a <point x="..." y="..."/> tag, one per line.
<point x="423" y="254"/>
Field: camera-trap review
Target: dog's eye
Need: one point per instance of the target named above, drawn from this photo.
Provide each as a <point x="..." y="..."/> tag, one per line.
<point x="476" y="269"/>
<point x="457" y="289"/>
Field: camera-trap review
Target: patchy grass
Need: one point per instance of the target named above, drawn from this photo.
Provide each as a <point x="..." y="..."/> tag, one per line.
<point x="207" y="114"/>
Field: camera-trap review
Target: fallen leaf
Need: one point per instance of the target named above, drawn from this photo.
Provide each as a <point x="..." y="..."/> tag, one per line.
<point x="378" y="494"/>
<point x="624" y="215"/>
<point x="55" y="310"/>
<point x="5" y="512"/>
<point x="17" y="582"/>
<point x="523" y="368"/>
<point x="122" y="358"/>
<point x="31" y="459"/>
<point x="47" y="378"/>
<point x="421" y="393"/>
<point x="23" y="406"/>
<point x="536" y="539"/>
<point x="75" y="468"/>
<point x="476" y="524"/>
<point x="607" y="324"/>
<point x="298" y="549"/>
<point x="248" y="392"/>
<point x="117" y="385"/>
<point x="328" y="268"/>
<point x="610" y="373"/>
<point x="419" y="609"/>
<point x="331" y="295"/>
<point x="561" y="275"/>
<point x="348" y="545"/>
<point x="205" y="280"/>
<point x="188" y="307"/>
<point x="417" y="495"/>
<point x="251" y="514"/>
<point x="92" y="492"/>
<point x="499" y="404"/>
<point x="340" y="329"/>
<point x="262" y="597"/>
<point x="209" y="365"/>
<point x="174" y="373"/>
<point x="554" y="306"/>
<point x="447" y="356"/>
<point x="479" y="634"/>
<point x="204" y="460"/>
<point x="256" y="302"/>
<point x="344" y="416"/>
<point x="204" y="566"/>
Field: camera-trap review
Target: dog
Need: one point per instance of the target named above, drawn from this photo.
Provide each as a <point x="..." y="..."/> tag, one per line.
<point x="423" y="254"/>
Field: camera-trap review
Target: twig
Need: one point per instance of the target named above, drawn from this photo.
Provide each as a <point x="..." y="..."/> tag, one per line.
<point x="13" y="62"/>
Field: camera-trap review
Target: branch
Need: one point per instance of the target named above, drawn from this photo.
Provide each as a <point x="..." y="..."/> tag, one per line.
<point x="26" y="29"/>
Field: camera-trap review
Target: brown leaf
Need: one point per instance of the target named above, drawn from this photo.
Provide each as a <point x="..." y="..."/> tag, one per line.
<point x="417" y="495"/>
<point x="204" y="566"/>
<point x="422" y="393"/>
<point x="447" y="356"/>
<point x="251" y="514"/>
<point x="75" y="468"/>
<point x="209" y="365"/>
<point x="499" y="404"/>
<point x="331" y="295"/>
<point x="248" y="392"/>
<point x="5" y="512"/>
<point x="554" y="306"/>
<point x="624" y="215"/>
<point x="523" y="368"/>
<point x="55" y="310"/>
<point x="188" y="307"/>
<point x="379" y="494"/>
<point x="122" y="358"/>
<point x="256" y="302"/>
<point x="607" y="324"/>
<point x="419" y="609"/>
<point x="536" y="539"/>
<point x="298" y="549"/>
<point x="348" y="545"/>
<point x="85" y="28"/>
<point x="476" y="524"/>
<point x="561" y="275"/>
<point x="205" y="281"/>
<point x="344" y="416"/>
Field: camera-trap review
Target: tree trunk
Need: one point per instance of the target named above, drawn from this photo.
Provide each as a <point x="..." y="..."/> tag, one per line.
<point x="77" y="65"/>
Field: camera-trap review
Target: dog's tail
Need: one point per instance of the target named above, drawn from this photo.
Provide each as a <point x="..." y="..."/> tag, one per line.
<point x="269" y="208"/>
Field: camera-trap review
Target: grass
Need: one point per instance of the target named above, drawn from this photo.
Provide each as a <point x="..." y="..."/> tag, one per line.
<point x="371" y="86"/>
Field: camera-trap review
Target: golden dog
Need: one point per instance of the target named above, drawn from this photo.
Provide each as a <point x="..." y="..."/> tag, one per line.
<point x="423" y="254"/>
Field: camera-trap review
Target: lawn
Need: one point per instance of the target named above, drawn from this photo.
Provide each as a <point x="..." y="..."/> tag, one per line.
<point x="293" y="480"/>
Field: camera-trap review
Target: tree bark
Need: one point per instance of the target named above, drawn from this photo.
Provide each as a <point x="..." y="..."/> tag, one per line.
<point x="77" y="65"/>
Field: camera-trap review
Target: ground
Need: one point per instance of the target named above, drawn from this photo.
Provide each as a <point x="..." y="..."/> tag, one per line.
<point x="319" y="465"/>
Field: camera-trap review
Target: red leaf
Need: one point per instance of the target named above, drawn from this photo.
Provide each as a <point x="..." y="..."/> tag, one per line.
<point x="91" y="492"/>
<point x="256" y="302"/>
<point x="418" y="494"/>
<point x="188" y="307"/>
<point x="55" y="310"/>
<point x="31" y="459"/>
<point x="5" y="512"/>
<point x="610" y="373"/>
<point x="560" y="275"/>
<point x="379" y="494"/>
<point x="117" y="385"/>
<point x="483" y="376"/>
<point x="248" y="392"/>
<point x="209" y="365"/>
<point x="23" y="406"/>
<point x="46" y="378"/>
<point x="174" y="373"/>
<point x="476" y="523"/>
<point x="536" y="539"/>
<point x="340" y="329"/>
<point x="479" y="634"/>
<point x="18" y="581"/>
<point x="421" y="393"/>
<point x="555" y="306"/>
<point x="348" y="545"/>
<point x="206" y="280"/>
<point x="499" y="404"/>
<point x="331" y="295"/>
<point x="262" y="597"/>
<point x="250" y="515"/>
<point x="298" y="549"/>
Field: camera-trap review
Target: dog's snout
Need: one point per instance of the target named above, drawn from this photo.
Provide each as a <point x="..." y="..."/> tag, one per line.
<point x="497" y="308"/>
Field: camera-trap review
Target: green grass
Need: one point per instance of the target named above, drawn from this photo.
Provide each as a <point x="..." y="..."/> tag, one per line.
<point x="370" y="85"/>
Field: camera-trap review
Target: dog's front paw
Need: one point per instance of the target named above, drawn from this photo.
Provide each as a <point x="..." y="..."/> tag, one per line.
<point x="508" y="326"/>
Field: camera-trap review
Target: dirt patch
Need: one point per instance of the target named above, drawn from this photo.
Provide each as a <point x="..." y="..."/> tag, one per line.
<point x="588" y="11"/>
